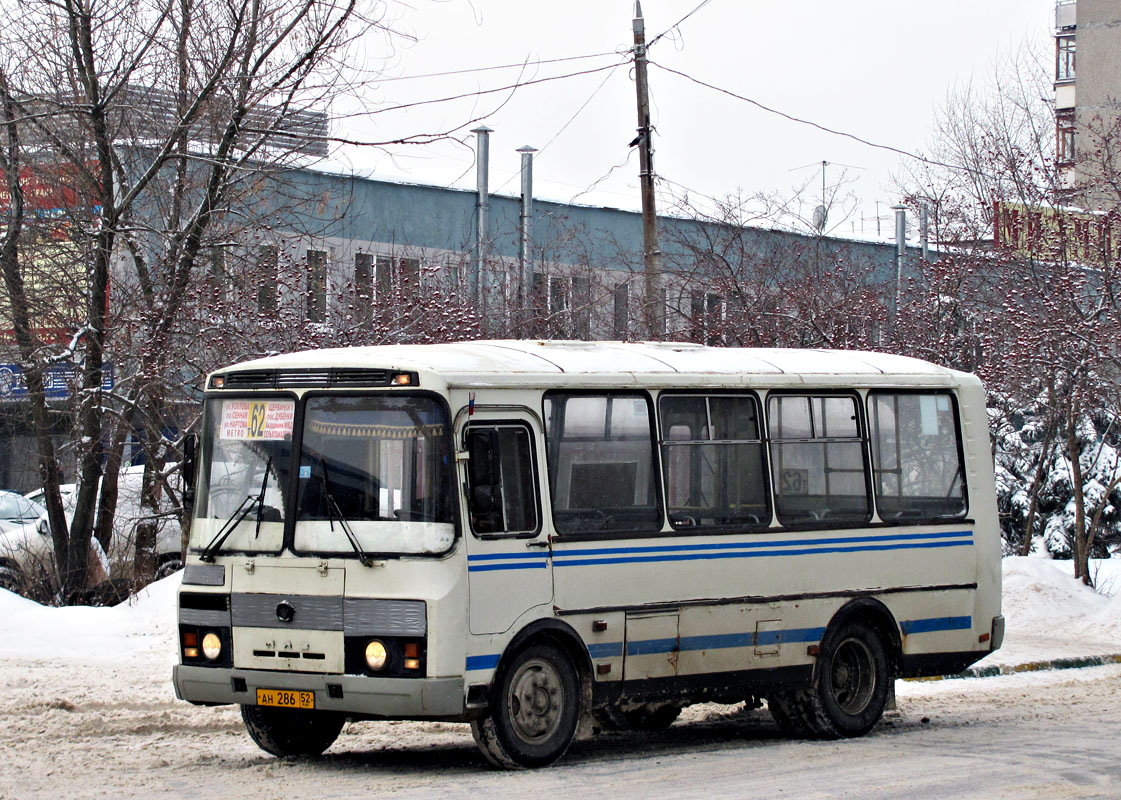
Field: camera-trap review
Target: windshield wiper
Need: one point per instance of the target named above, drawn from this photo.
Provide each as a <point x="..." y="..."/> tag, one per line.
<point x="333" y="511"/>
<point x="236" y="518"/>
<point x="261" y="499"/>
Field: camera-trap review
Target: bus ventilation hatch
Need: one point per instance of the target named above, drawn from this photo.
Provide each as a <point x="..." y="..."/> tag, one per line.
<point x="292" y="378"/>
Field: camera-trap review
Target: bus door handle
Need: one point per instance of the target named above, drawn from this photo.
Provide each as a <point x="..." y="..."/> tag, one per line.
<point x="534" y="544"/>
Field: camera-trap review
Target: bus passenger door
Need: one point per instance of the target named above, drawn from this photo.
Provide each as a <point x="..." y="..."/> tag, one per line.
<point x="508" y="559"/>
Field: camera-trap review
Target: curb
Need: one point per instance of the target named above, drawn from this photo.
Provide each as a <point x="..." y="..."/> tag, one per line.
<point x="1030" y="666"/>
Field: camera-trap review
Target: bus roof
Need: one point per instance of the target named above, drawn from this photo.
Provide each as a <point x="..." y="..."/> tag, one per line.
<point x="536" y="363"/>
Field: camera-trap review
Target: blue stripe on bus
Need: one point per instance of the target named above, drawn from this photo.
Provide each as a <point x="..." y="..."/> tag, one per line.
<point x="482" y="662"/>
<point x="605" y="649"/>
<point x="492" y="567"/>
<point x="910" y="626"/>
<point x="720" y="641"/>
<point x="504" y="556"/>
<point x="560" y="561"/>
<point x="893" y="537"/>
<point x="487" y="562"/>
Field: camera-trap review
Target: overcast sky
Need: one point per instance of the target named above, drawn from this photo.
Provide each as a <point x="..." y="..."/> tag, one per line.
<point x="876" y="69"/>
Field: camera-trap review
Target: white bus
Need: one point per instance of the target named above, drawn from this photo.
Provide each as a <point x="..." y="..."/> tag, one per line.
<point x="522" y="535"/>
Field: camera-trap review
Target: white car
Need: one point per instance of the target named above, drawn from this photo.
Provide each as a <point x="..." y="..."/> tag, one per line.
<point x="17" y="510"/>
<point x="27" y="552"/>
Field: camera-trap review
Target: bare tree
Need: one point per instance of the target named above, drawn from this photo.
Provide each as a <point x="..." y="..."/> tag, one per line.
<point x="158" y="116"/>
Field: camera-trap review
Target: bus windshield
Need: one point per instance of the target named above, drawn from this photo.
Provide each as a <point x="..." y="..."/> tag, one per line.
<point x="245" y="456"/>
<point x="379" y="465"/>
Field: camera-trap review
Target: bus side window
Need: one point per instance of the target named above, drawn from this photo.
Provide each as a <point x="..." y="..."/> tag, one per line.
<point x="501" y="484"/>
<point x="601" y="462"/>
<point x="817" y="460"/>
<point x="712" y="459"/>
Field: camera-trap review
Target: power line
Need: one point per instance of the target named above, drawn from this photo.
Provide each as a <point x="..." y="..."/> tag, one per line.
<point x="481" y="92"/>
<point x="676" y="24"/>
<point x="571" y="119"/>
<point x="813" y="124"/>
<point x="471" y="70"/>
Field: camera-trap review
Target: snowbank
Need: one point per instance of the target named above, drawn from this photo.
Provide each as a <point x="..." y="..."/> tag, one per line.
<point x="145" y="624"/>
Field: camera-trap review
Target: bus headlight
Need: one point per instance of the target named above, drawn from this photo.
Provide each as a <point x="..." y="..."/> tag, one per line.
<point x="375" y="654"/>
<point x="211" y="646"/>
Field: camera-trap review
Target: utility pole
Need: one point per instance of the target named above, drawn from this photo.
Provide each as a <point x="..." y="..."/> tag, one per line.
<point x="650" y="254"/>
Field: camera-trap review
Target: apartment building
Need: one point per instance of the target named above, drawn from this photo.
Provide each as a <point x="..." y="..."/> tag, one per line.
<point x="1088" y="96"/>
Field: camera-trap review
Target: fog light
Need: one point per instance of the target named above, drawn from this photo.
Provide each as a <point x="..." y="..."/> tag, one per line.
<point x="375" y="655"/>
<point x="211" y="646"/>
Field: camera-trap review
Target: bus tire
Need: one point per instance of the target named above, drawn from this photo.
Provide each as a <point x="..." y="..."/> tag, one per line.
<point x="535" y="710"/>
<point x="292" y="732"/>
<point x="651" y="717"/>
<point x="850" y="688"/>
<point x="786" y="709"/>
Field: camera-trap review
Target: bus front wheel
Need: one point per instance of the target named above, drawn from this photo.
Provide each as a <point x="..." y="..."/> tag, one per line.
<point x="292" y="732"/>
<point x="534" y="711"/>
<point x="850" y="689"/>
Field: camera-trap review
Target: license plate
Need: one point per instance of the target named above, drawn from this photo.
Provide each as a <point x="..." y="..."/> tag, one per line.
<point x="283" y="698"/>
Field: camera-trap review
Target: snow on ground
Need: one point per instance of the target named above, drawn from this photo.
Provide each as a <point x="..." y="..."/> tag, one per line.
<point x="88" y="710"/>
<point x="144" y="625"/>
<point x="1048" y="614"/>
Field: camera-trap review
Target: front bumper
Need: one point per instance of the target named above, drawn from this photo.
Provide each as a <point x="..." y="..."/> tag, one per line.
<point x="384" y="698"/>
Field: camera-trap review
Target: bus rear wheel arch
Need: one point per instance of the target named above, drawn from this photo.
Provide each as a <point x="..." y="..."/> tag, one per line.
<point x="535" y="707"/>
<point x="850" y="689"/>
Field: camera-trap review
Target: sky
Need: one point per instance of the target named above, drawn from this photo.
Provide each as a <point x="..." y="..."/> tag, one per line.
<point x="875" y="69"/>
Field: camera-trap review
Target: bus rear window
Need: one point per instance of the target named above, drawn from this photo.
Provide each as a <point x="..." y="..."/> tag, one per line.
<point x="916" y="460"/>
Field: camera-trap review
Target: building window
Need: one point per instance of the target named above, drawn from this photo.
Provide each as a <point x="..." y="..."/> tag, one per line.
<point x="707" y="312"/>
<point x="410" y="274"/>
<point x="1064" y="58"/>
<point x="363" y="285"/>
<point x="217" y="277"/>
<point x="550" y="301"/>
<point x="582" y="306"/>
<point x="1065" y="136"/>
<point x="317" y="286"/>
<point x="266" y="278"/>
<point x="622" y="313"/>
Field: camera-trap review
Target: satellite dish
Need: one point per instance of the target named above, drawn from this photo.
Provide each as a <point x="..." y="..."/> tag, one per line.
<point x="820" y="214"/>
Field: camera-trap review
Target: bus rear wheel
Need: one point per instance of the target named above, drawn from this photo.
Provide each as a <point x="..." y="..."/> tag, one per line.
<point x="647" y="717"/>
<point x="534" y="712"/>
<point x="850" y="690"/>
<point x="292" y="732"/>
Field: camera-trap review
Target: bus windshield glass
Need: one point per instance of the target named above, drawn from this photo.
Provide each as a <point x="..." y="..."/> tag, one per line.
<point x="379" y="465"/>
<point x="245" y="456"/>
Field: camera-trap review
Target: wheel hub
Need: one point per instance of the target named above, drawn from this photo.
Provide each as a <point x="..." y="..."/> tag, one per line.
<point x="535" y="701"/>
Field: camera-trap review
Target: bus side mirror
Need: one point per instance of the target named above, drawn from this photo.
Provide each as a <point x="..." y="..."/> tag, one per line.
<point x="190" y="455"/>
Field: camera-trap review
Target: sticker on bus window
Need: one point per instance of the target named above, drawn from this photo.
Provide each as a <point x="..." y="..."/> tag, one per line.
<point x="262" y="420"/>
<point x="795" y="481"/>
